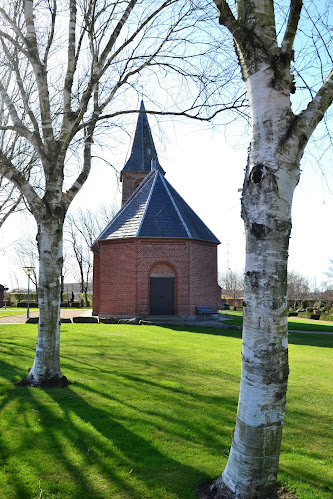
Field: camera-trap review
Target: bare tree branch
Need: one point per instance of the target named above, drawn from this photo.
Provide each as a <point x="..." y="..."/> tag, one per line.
<point x="307" y="121"/>
<point x="292" y="25"/>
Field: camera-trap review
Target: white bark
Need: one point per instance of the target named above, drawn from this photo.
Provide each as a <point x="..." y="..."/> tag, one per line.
<point x="271" y="178"/>
<point x="278" y="141"/>
<point x="46" y="367"/>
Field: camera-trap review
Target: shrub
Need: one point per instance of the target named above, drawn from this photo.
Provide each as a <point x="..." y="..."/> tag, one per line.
<point x="304" y="315"/>
<point x="319" y="304"/>
<point x="15" y="298"/>
<point x="326" y="317"/>
<point x="24" y="304"/>
<point x="309" y="309"/>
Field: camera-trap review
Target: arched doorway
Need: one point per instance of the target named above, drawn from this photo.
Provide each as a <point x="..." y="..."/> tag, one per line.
<point x="162" y="291"/>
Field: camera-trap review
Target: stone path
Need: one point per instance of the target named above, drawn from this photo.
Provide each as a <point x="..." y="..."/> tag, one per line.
<point x="64" y="314"/>
<point x="310" y="332"/>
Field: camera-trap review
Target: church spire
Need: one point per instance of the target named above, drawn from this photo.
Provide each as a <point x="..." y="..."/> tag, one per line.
<point x="143" y="148"/>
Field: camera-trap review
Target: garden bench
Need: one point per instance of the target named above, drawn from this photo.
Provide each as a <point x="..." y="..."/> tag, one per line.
<point x="204" y="310"/>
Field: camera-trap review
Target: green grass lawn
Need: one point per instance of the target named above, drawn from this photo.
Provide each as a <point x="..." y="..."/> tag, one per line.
<point x="15" y="311"/>
<point x="150" y="413"/>
<point x="235" y="317"/>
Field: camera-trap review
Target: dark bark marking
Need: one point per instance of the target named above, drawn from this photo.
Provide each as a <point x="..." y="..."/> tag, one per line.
<point x="280" y="66"/>
<point x="276" y="374"/>
<point x="253" y="278"/>
<point x="259" y="231"/>
<point x="257" y="173"/>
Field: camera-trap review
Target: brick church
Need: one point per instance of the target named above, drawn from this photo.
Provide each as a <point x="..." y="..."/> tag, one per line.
<point x="155" y="257"/>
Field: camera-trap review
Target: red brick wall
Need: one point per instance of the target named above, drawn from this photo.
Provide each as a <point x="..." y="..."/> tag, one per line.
<point x="122" y="278"/>
<point x="174" y="254"/>
<point x="118" y="277"/>
<point x="96" y="283"/>
<point x="162" y="268"/>
<point x="203" y="283"/>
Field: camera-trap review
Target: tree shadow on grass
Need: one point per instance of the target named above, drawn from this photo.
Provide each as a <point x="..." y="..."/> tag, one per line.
<point x="213" y="331"/>
<point x="303" y="474"/>
<point x="80" y="447"/>
<point x="182" y="416"/>
<point x="59" y="454"/>
<point x="9" y="371"/>
<point x="106" y="456"/>
<point x="99" y="451"/>
<point x="311" y="339"/>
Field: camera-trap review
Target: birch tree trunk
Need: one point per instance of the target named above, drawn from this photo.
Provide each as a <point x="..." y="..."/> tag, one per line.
<point x="272" y="173"/>
<point x="46" y="367"/>
<point x="271" y="177"/>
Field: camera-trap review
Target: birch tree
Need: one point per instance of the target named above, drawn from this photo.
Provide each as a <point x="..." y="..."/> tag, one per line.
<point x="72" y="67"/>
<point x="266" y="45"/>
<point x="298" y="287"/>
<point x="27" y="256"/>
<point x="231" y="283"/>
<point x="82" y="227"/>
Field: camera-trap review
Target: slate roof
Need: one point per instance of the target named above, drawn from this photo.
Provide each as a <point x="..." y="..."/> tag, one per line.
<point x="143" y="148"/>
<point x="156" y="210"/>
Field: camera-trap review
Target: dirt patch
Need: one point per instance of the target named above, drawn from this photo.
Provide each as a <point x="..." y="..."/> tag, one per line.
<point x="54" y="382"/>
<point x="204" y="492"/>
<point x="285" y="494"/>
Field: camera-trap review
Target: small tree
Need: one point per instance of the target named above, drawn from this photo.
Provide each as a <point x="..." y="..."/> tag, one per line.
<point x="81" y="230"/>
<point x="298" y="287"/>
<point x="27" y="256"/>
<point x="232" y="283"/>
<point x="329" y="273"/>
